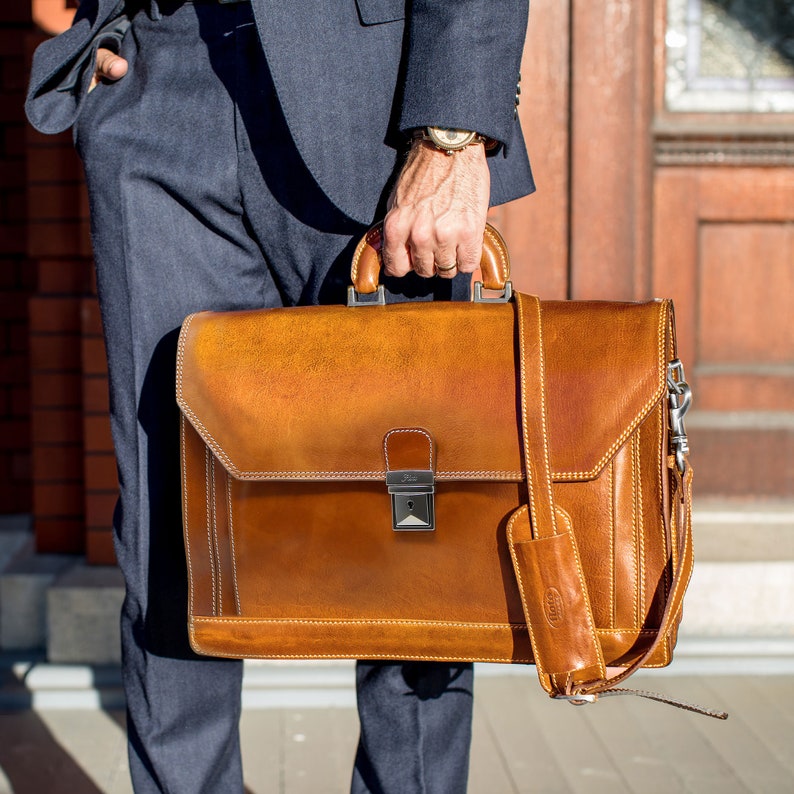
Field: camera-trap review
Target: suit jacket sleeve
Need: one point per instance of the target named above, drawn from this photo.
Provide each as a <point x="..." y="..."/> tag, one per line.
<point x="462" y="65"/>
<point x="62" y="66"/>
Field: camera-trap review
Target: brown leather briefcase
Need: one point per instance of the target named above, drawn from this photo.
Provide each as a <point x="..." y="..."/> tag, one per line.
<point x="504" y="480"/>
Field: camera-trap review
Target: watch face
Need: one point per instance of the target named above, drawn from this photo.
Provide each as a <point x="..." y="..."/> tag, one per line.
<point x="446" y="138"/>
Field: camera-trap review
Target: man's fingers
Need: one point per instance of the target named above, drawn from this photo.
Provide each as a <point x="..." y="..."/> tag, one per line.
<point x="422" y="248"/>
<point x="394" y="250"/>
<point x="424" y="264"/>
<point x="442" y="251"/>
<point x="445" y="260"/>
<point x="407" y="246"/>
<point x="470" y="252"/>
<point x="396" y="261"/>
<point x="109" y="66"/>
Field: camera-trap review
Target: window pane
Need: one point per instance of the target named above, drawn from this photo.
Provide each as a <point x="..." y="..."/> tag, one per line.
<point x="730" y="55"/>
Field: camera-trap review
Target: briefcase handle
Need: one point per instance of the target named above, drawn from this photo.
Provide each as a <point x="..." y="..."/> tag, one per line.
<point x="365" y="268"/>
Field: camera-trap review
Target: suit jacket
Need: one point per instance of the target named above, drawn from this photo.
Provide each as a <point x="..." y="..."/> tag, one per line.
<point x="352" y="76"/>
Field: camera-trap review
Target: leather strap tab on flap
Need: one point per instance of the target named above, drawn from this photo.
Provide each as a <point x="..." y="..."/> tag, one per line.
<point x="409" y="448"/>
<point x="556" y="606"/>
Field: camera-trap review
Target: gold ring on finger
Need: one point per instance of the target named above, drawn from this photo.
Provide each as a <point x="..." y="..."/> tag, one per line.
<point x="446" y="268"/>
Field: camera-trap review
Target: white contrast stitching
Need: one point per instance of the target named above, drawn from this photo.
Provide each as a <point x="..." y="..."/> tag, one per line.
<point x="386" y="652"/>
<point x="364" y="622"/>
<point x="545" y="433"/>
<point x="636" y="523"/>
<point x="207" y="464"/>
<point x="610" y="470"/>
<point x="367" y="240"/>
<point x="545" y="463"/>
<point x="524" y="414"/>
<point x="667" y="542"/>
<point x="185" y="513"/>
<point x="215" y="538"/>
<point x="231" y="540"/>
<point x="564" y="516"/>
<point x="499" y="245"/>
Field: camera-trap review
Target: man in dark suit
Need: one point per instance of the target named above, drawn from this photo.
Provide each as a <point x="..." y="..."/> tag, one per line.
<point x="234" y="152"/>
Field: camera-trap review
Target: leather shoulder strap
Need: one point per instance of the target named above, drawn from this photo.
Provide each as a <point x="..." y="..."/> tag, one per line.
<point x="554" y="596"/>
<point x="548" y="570"/>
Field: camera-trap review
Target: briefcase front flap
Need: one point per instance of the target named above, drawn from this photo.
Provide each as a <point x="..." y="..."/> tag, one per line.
<point x="310" y="393"/>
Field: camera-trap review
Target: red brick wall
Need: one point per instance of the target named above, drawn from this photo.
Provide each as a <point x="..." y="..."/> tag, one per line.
<point x="64" y="363"/>
<point x="59" y="252"/>
<point x="56" y="458"/>
<point x="99" y="462"/>
<point x="16" y="277"/>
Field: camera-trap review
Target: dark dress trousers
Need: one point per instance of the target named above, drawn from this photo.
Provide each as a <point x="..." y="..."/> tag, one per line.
<point x="235" y="166"/>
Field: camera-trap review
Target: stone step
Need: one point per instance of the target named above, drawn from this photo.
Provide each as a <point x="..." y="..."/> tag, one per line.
<point x="743" y="582"/>
<point x="736" y="531"/>
<point x="83" y="608"/>
<point x="24" y="579"/>
<point x="743" y="586"/>
<point x="740" y="599"/>
<point x="746" y="454"/>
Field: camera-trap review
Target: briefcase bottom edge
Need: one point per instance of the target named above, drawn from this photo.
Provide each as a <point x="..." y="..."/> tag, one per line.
<point x="407" y="640"/>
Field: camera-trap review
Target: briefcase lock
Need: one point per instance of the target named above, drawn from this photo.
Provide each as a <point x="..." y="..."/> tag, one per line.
<point x="412" y="494"/>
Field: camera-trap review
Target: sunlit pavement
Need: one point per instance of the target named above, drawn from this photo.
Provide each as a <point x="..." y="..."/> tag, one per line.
<point x="62" y="729"/>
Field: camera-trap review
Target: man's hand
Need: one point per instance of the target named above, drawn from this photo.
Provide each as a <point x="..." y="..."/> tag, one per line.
<point x="109" y="66"/>
<point x="437" y="212"/>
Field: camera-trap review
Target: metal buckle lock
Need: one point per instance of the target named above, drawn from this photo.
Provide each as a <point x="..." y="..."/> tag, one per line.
<point x="412" y="500"/>
<point x="680" y="400"/>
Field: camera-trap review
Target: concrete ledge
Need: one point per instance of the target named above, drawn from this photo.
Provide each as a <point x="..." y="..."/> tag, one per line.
<point x="23" y="598"/>
<point x="302" y="684"/>
<point x="36" y="684"/>
<point x="740" y="599"/>
<point x="24" y="579"/>
<point x="726" y="531"/>
<point x="708" y="656"/>
<point x="83" y="607"/>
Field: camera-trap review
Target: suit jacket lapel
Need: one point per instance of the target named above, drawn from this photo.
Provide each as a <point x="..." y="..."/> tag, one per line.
<point x="320" y="55"/>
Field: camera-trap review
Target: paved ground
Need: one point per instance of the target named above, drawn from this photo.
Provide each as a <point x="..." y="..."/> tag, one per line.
<point x="523" y="742"/>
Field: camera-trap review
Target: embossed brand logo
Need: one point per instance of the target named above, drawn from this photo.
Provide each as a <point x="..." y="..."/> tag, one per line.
<point x="553" y="607"/>
<point x="410" y="478"/>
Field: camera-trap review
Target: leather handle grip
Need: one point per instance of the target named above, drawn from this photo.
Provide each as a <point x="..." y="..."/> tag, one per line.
<point x="365" y="269"/>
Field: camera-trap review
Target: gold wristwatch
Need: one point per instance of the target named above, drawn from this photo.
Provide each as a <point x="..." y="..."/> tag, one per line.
<point x="451" y="140"/>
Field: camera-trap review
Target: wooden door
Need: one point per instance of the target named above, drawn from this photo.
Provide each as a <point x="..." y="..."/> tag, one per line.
<point x="662" y="139"/>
